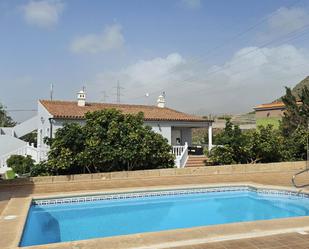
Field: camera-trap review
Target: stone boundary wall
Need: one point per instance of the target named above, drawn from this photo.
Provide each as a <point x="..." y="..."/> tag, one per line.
<point x="190" y="171"/>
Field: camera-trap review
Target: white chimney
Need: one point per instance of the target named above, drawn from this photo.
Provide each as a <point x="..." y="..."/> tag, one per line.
<point x="161" y="101"/>
<point x="81" y="98"/>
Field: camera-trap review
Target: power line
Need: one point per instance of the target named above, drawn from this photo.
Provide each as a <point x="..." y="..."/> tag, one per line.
<point x="201" y="91"/>
<point x="293" y="35"/>
<point x="233" y="38"/>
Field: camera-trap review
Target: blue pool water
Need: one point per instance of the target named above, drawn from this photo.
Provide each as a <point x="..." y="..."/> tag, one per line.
<point x="77" y="221"/>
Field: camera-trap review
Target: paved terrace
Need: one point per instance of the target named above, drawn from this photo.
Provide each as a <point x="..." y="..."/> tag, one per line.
<point x="275" y="175"/>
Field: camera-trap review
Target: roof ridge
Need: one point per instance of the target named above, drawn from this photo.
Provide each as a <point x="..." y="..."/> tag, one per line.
<point x="181" y="112"/>
<point x="70" y="109"/>
<point x="103" y="103"/>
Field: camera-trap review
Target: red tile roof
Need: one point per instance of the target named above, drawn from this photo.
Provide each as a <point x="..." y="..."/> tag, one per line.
<point x="70" y="110"/>
<point x="274" y="105"/>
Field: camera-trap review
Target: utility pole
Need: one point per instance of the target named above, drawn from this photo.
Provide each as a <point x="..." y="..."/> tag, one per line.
<point x="51" y="91"/>
<point x="118" y="92"/>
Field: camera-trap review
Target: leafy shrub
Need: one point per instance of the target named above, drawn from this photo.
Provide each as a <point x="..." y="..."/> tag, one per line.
<point x="20" y="164"/>
<point x="40" y="169"/>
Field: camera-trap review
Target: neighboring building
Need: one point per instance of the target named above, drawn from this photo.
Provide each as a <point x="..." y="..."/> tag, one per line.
<point x="270" y="113"/>
<point x="175" y="126"/>
<point x="271" y="110"/>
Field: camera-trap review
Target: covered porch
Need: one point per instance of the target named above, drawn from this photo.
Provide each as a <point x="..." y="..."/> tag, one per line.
<point x="181" y="141"/>
<point x="179" y="135"/>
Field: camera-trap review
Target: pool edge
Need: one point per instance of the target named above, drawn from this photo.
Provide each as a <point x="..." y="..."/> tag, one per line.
<point x="164" y="238"/>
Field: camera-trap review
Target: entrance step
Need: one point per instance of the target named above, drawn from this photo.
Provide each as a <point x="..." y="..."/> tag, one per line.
<point x="196" y="161"/>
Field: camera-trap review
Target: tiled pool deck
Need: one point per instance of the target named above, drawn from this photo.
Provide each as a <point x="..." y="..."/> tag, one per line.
<point x="16" y="200"/>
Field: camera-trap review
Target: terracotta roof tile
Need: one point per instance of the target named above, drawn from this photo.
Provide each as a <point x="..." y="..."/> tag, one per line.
<point x="270" y="105"/>
<point x="70" y="110"/>
<point x="274" y="105"/>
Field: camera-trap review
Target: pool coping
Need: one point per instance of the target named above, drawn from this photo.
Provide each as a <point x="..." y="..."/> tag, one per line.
<point x="13" y="218"/>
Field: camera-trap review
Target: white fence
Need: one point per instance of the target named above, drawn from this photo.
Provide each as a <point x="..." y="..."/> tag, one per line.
<point x="181" y="154"/>
<point x="36" y="154"/>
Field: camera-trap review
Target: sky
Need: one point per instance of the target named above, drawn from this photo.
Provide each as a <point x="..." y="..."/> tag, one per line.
<point x="209" y="57"/>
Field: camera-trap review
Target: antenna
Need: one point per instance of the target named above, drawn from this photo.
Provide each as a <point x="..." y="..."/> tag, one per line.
<point x="118" y="93"/>
<point x="51" y="91"/>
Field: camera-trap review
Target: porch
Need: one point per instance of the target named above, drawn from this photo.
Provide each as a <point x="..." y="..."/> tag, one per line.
<point x="181" y="141"/>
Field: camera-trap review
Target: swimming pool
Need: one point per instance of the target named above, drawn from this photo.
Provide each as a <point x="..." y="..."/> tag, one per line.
<point x="86" y="217"/>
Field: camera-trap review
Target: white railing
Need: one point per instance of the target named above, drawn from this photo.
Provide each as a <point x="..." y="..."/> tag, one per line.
<point x="43" y="154"/>
<point x="181" y="154"/>
<point x="23" y="151"/>
<point x="178" y="149"/>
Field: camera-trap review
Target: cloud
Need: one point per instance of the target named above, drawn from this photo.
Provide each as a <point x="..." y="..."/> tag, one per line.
<point x="111" y="39"/>
<point x="146" y="76"/>
<point x="252" y="76"/>
<point x="192" y="4"/>
<point x="286" y="20"/>
<point x="43" y="13"/>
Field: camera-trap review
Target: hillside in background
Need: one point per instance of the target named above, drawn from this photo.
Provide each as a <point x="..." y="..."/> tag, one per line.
<point x="297" y="89"/>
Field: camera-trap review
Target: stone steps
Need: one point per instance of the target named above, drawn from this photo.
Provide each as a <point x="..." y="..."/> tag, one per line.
<point x="196" y="161"/>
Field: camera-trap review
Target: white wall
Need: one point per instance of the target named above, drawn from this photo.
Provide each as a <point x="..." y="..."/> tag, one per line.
<point x="165" y="128"/>
<point x="165" y="131"/>
<point x="186" y="135"/>
<point x="43" y="126"/>
<point x="9" y="143"/>
<point x="26" y="127"/>
<point x="58" y="123"/>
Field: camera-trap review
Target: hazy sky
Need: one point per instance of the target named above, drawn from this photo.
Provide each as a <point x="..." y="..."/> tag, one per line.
<point x="214" y="56"/>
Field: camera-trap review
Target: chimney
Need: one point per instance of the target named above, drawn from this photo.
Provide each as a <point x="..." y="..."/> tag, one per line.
<point x="81" y="98"/>
<point x="161" y="101"/>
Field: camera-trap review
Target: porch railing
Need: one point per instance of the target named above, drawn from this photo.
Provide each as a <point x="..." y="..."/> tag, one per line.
<point x="181" y="154"/>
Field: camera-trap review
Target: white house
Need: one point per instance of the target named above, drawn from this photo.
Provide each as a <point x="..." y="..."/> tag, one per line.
<point x="175" y="126"/>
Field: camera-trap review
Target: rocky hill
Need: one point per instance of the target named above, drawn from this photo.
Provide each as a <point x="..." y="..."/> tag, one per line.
<point x="296" y="90"/>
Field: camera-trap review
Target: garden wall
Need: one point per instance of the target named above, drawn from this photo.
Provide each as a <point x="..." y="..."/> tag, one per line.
<point x="190" y="171"/>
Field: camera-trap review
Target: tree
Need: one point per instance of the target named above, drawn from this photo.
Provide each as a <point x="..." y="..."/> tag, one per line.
<point x="295" y="145"/>
<point x="109" y="141"/>
<point x="40" y="169"/>
<point x="5" y="119"/>
<point x="295" y="124"/>
<point x="20" y="164"/>
<point x="231" y="146"/>
<point x="30" y="138"/>
<point x="296" y="114"/>
<point x="265" y="144"/>
<point x="64" y="154"/>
